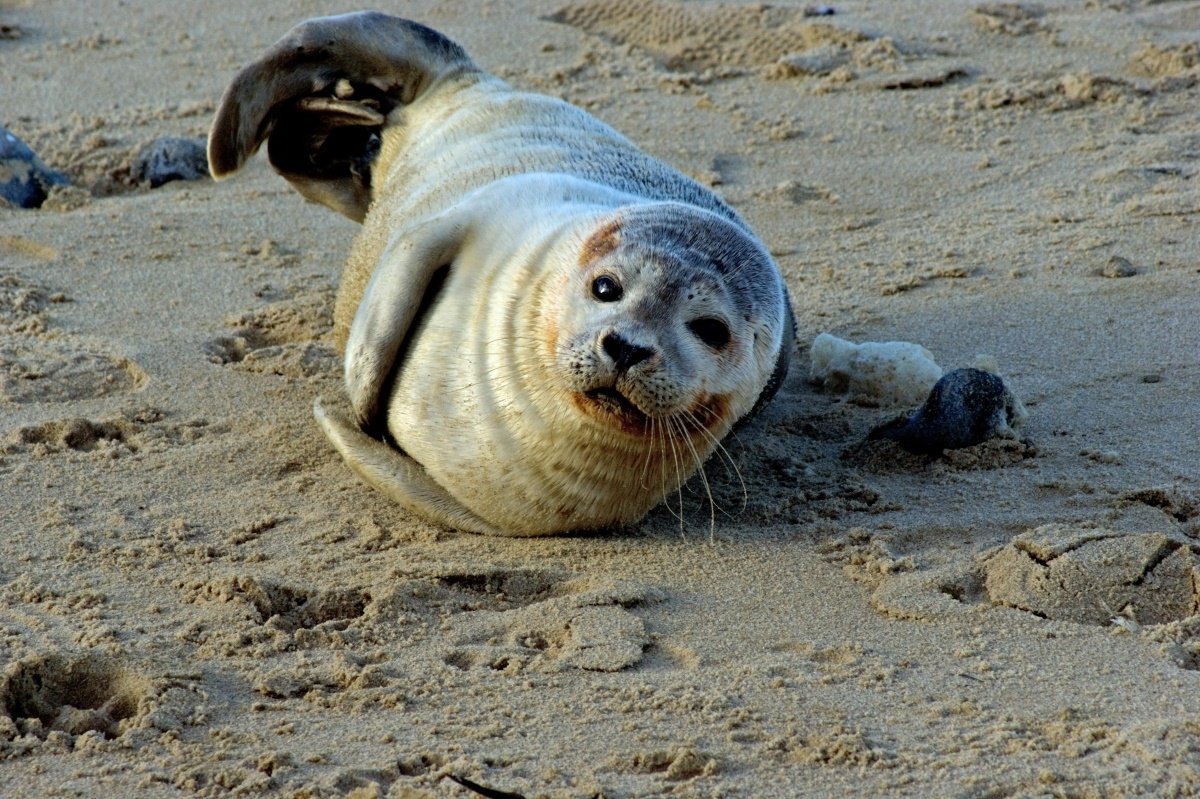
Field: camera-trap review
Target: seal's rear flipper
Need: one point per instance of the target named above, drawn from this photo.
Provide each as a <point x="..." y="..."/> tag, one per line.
<point x="320" y="97"/>
<point x="396" y="475"/>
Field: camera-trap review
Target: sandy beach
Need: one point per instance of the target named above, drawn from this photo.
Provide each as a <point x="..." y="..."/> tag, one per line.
<point x="199" y="598"/>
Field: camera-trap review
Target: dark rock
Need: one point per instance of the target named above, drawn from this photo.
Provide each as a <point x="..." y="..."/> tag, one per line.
<point x="170" y="158"/>
<point x="24" y="179"/>
<point x="966" y="407"/>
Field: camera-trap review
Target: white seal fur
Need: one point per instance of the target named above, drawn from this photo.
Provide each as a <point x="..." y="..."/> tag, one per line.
<point x="544" y="328"/>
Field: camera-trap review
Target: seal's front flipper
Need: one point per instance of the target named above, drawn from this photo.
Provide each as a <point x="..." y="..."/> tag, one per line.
<point x="320" y="97"/>
<point x="399" y="289"/>
<point x="395" y="474"/>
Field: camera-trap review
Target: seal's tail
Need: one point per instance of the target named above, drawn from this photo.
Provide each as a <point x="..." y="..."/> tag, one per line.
<point x="320" y="97"/>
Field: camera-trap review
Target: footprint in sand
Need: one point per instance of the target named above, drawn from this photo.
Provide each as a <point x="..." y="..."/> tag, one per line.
<point x="70" y="693"/>
<point x="71" y="435"/>
<point x="75" y="693"/>
<point x="58" y="370"/>
<point x="35" y="367"/>
<point x="22" y="303"/>
<point x="496" y="618"/>
<point x="281" y="338"/>
<point x="727" y="40"/>
<point x="682" y="37"/>
<point x="572" y="624"/>
<point x="288" y="607"/>
<point x="144" y="429"/>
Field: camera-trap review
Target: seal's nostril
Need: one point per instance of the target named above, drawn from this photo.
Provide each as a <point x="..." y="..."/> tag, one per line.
<point x="624" y="354"/>
<point x="612" y="345"/>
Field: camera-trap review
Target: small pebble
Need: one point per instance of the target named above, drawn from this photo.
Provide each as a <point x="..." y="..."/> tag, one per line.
<point x="170" y="158"/>
<point x="24" y="179"/>
<point x="1118" y="267"/>
<point x="966" y="407"/>
<point x="1111" y="457"/>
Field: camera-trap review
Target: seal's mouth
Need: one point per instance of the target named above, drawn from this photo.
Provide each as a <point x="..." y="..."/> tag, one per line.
<point x="613" y="401"/>
<point x="610" y="407"/>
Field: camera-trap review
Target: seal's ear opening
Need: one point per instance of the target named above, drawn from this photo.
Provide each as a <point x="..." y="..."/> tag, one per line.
<point x="320" y="98"/>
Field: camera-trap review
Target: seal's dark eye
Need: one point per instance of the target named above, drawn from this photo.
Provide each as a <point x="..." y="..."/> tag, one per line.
<point x="606" y="289"/>
<point x="712" y="332"/>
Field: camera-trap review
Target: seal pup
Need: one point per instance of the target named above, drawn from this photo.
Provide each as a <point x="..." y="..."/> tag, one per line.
<point x="544" y="329"/>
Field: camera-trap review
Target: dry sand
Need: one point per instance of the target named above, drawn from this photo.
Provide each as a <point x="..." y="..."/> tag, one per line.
<point x="197" y="598"/>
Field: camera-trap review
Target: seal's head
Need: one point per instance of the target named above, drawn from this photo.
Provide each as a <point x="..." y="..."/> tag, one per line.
<point x="671" y="316"/>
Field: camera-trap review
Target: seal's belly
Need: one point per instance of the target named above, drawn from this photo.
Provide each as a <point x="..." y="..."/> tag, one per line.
<point x="441" y="407"/>
<point x="457" y="405"/>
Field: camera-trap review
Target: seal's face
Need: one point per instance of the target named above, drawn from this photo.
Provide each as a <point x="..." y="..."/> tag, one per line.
<point x="654" y="332"/>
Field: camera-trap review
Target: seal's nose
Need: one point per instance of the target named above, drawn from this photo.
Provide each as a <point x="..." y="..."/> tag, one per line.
<point x="624" y="354"/>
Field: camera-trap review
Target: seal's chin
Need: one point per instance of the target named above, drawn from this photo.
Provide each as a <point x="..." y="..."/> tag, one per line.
<point x="610" y="402"/>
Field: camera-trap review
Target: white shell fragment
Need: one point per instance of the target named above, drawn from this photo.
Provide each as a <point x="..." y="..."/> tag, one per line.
<point x="888" y="373"/>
